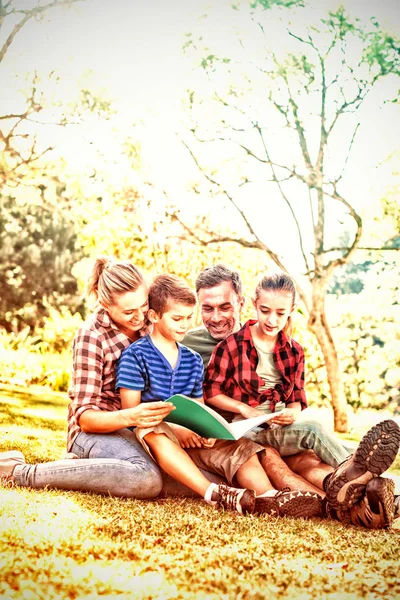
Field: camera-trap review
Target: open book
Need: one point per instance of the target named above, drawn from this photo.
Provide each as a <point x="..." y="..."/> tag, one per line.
<point x="207" y="422"/>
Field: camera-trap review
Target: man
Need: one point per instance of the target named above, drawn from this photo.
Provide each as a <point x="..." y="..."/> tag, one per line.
<point x="220" y="296"/>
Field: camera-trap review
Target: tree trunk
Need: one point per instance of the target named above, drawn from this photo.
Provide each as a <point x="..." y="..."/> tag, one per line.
<point x="318" y="324"/>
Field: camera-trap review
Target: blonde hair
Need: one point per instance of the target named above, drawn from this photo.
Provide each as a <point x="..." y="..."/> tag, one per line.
<point x="278" y="281"/>
<point x="111" y="277"/>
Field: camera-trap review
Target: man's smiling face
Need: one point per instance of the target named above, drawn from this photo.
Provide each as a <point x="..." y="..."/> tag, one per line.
<point x="220" y="309"/>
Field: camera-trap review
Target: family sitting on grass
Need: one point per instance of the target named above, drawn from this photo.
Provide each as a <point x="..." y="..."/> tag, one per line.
<point x="137" y="350"/>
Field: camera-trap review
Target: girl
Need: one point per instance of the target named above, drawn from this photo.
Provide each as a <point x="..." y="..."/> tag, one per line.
<point x="261" y="367"/>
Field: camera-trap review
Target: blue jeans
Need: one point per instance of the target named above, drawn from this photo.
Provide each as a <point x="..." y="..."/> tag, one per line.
<point x="302" y="435"/>
<point x="113" y="464"/>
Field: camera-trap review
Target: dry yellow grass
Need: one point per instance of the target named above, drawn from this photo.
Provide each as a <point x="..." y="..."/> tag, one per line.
<point x="81" y="546"/>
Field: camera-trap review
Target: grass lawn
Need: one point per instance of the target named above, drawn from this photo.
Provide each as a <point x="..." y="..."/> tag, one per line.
<point x="71" y="545"/>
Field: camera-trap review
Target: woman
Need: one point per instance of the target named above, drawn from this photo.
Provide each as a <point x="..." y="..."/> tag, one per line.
<point x="112" y="460"/>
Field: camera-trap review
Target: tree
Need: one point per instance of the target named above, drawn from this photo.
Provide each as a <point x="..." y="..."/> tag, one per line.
<point x="18" y="144"/>
<point x="257" y="97"/>
<point x="38" y="240"/>
<point x="39" y="246"/>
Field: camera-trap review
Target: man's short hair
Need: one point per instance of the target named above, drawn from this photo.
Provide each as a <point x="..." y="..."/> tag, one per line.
<point x="217" y="274"/>
<point x="169" y="287"/>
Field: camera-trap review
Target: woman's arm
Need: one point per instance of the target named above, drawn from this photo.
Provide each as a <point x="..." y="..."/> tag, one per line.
<point x="146" y="414"/>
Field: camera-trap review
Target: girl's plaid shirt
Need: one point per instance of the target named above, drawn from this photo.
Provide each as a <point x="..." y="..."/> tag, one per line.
<point x="232" y="370"/>
<point x="96" y="348"/>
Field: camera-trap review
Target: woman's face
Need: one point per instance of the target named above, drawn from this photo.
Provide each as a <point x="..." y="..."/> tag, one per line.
<point x="129" y="310"/>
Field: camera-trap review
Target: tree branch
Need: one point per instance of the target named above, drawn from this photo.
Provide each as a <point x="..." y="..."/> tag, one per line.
<point x="285" y="198"/>
<point x="29" y="14"/>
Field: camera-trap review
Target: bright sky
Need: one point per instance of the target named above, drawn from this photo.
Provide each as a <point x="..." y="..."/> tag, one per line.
<point x="132" y="50"/>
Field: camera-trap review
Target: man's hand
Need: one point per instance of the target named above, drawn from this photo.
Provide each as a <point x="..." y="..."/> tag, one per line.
<point x="147" y="414"/>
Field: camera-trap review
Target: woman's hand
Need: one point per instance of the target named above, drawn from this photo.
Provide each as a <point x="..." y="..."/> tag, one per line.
<point x="147" y="414"/>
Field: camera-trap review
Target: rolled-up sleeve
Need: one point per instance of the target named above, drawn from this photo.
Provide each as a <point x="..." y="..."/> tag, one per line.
<point x="298" y="393"/>
<point x="87" y="373"/>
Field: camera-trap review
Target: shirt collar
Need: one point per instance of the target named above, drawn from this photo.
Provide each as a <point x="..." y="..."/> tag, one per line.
<point x="245" y="334"/>
<point x="103" y="319"/>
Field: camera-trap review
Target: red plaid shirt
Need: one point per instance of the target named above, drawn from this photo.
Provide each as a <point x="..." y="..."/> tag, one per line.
<point x="232" y="371"/>
<point x="96" y="348"/>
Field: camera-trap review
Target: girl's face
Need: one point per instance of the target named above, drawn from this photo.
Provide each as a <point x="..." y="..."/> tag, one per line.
<point x="129" y="310"/>
<point x="273" y="310"/>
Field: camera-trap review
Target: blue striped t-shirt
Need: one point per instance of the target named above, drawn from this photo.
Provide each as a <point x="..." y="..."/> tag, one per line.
<point x="143" y="367"/>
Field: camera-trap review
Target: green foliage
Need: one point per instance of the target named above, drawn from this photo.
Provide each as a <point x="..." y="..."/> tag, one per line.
<point x="349" y="279"/>
<point x="268" y="4"/>
<point x="370" y="356"/>
<point x="38" y="248"/>
<point x="340" y="24"/>
<point x="382" y="50"/>
<point x="24" y="367"/>
<point x="42" y="357"/>
<point x="368" y="345"/>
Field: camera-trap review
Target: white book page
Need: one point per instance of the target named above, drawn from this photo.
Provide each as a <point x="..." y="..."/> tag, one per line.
<point x="239" y="428"/>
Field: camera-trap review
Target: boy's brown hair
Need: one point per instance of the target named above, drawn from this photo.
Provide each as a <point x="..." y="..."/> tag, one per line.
<point x="169" y="287"/>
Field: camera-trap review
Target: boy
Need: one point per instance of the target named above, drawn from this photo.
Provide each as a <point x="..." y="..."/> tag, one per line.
<point x="158" y="366"/>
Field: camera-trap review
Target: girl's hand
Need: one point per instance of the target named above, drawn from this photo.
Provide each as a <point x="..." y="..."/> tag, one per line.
<point x="187" y="438"/>
<point x="147" y="414"/>
<point x="247" y="411"/>
<point x="208" y="442"/>
<point x="286" y="417"/>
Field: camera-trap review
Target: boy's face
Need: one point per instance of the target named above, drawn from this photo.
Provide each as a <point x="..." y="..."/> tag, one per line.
<point x="174" y="323"/>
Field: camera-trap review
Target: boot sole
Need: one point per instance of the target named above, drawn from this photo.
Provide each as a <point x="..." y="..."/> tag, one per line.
<point x="385" y="499"/>
<point x="375" y="453"/>
<point x="248" y="502"/>
<point x="297" y="504"/>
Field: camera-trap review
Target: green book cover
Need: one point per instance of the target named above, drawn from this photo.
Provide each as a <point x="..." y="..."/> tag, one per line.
<point x="207" y="422"/>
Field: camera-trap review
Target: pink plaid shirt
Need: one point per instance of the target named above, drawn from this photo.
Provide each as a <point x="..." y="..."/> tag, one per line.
<point x="96" y="349"/>
<point x="232" y="371"/>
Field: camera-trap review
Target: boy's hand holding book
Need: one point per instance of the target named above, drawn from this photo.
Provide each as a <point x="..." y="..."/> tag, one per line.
<point x="187" y="438"/>
<point x="208" y="442"/>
